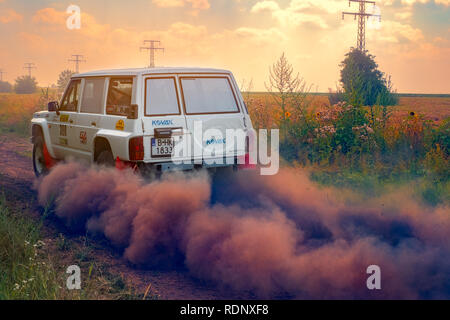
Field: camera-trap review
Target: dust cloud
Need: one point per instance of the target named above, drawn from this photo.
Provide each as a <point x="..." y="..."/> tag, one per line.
<point x="279" y="236"/>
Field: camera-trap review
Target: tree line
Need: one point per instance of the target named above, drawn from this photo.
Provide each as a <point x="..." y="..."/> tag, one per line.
<point x="28" y="85"/>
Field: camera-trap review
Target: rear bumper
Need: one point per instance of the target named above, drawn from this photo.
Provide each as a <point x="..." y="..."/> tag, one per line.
<point x="169" y="166"/>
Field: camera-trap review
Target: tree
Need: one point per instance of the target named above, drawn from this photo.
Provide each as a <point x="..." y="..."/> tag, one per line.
<point x="63" y="79"/>
<point x="290" y="94"/>
<point x="5" y="87"/>
<point x="25" y="85"/>
<point x="285" y="86"/>
<point x="363" y="83"/>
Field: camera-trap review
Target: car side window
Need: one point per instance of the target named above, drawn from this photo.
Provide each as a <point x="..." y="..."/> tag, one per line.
<point x="92" y="100"/>
<point x="161" y="97"/>
<point x="70" y="99"/>
<point x="119" y="95"/>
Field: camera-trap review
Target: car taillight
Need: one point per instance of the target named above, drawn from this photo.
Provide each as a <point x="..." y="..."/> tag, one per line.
<point x="247" y="144"/>
<point x="136" y="148"/>
<point x="245" y="161"/>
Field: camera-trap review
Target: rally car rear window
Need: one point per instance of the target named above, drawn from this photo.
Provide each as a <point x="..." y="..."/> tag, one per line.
<point x="206" y="95"/>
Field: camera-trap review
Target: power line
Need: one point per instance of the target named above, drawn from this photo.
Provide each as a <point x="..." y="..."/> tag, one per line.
<point x="152" y="49"/>
<point x="1" y="74"/>
<point x="362" y="16"/>
<point x="77" y="58"/>
<point x="29" y="66"/>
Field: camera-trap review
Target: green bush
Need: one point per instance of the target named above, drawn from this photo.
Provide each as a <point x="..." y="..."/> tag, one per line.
<point x="363" y="83"/>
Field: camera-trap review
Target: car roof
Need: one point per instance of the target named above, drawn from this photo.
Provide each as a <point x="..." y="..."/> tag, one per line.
<point x="140" y="71"/>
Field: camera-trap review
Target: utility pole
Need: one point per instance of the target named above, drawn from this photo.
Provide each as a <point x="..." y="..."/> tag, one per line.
<point x="29" y="66"/>
<point x="152" y="48"/>
<point x="362" y="16"/>
<point x="1" y="74"/>
<point x="77" y="58"/>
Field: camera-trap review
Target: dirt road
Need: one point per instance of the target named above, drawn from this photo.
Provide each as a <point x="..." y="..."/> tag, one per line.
<point x="16" y="183"/>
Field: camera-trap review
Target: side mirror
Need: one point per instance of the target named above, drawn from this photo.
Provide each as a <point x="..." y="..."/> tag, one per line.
<point x="53" y="106"/>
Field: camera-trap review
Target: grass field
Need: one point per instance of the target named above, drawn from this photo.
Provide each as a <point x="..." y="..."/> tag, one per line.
<point x="16" y="111"/>
<point x="31" y="258"/>
<point x="433" y="107"/>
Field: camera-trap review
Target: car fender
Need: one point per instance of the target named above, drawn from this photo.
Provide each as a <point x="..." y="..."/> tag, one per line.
<point x="118" y="141"/>
<point x="42" y="123"/>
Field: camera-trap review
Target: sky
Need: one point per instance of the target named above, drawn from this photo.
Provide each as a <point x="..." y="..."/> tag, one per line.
<point x="411" y="43"/>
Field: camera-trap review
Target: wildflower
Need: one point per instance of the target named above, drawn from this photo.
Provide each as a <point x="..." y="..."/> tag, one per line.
<point x="287" y="114"/>
<point x="40" y="243"/>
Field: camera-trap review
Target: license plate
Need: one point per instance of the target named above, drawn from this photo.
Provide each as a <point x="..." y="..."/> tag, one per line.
<point x="162" y="147"/>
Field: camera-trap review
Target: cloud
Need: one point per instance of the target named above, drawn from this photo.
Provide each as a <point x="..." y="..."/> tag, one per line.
<point x="196" y="4"/>
<point x="393" y="31"/>
<point x="261" y="35"/>
<point x="412" y="2"/>
<point x="298" y="12"/>
<point x="9" y="15"/>
<point x="179" y="38"/>
<point x="57" y="19"/>
<point x="404" y="14"/>
<point x="187" y="31"/>
<point x="50" y="16"/>
<point x="247" y="45"/>
<point x="169" y="3"/>
<point x="265" y="6"/>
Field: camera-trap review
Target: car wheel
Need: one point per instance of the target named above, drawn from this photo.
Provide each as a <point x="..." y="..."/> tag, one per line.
<point x="106" y="158"/>
<point x="39" y="165"/>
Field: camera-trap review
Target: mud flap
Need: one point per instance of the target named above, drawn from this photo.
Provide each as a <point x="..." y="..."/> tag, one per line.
<point x="49" y="161"/>
<point x="122" y="165"/>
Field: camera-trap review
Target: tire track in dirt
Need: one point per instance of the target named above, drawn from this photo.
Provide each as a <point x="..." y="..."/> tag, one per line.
<point x="16" y="183"/>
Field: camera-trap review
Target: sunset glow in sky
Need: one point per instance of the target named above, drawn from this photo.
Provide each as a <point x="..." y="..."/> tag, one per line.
<point x="412" y="42"/>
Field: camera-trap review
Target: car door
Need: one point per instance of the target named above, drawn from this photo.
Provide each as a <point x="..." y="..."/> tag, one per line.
<point x="164" y="121"/>
<point x="211" y="106"/>
<point x="62" y="126"/>
<point x="92" y="107"/>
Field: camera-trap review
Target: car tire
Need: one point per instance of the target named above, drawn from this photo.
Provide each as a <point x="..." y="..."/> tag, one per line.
<point x="39" y="165"/>
<point x="106" y="159"/>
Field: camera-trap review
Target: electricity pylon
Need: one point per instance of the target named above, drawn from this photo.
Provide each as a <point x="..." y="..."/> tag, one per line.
<point x="29" y="66"/>
<point x="152" y="48"/>
<point x="362" y="16"/>
<point x="1" y="74"/>
<point x="77" y="58"/>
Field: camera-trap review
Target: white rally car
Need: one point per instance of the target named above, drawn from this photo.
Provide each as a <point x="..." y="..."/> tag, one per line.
<point x="141" y="117"/>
